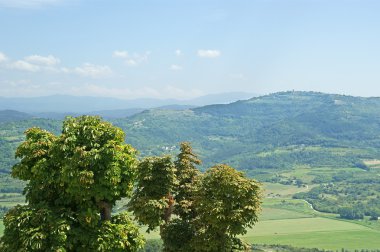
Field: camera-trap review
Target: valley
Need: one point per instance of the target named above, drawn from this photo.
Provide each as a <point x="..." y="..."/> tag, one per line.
<point x="316" y="155"/>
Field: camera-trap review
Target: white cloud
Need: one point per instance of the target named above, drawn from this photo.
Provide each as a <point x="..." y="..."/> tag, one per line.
<point x="178" y="52"/>
<point x="23" y="65"/>
<point x="175" y="67"/>
<point x="3" y="58"/>
<point x="33" y="63"/>
<point x="91" y="70"/>
<point x="50" y="64"/>
<point x="209" y="53"/>
<point x="120" y="54"/>
<point x="133" y="59"/>
<point x="49" y="60"/>
<point x="29" y="4"/>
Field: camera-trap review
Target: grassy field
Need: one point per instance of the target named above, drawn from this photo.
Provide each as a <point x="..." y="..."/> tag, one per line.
<point x="292" y="222"/>
<point x="332" y="240"/>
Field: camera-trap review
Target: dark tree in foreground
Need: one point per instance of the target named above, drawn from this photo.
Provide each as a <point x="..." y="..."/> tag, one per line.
<point x="73" y="181"/>
<point x="210" y="210"/>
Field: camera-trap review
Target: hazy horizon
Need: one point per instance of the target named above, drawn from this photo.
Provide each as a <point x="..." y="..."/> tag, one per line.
<point x="183" y="50"/>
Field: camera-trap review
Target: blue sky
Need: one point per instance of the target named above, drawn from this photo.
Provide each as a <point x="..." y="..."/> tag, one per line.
<point x="183" y="49"/>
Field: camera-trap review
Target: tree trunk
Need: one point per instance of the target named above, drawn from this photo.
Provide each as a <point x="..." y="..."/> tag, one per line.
<point x="105" y="211"/>
<point x="168" y="211"/>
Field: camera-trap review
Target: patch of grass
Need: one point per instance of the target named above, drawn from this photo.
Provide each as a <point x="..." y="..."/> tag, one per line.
<point x="332" y="240"/>
<point x="322" y="233"/>
<point x="302" y="225"/>
<point x="279" y="214"/>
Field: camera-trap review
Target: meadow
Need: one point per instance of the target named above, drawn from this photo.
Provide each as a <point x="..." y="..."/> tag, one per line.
<point x="287" y="221"/>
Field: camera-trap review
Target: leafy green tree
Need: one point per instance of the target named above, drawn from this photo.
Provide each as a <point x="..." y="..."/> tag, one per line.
<point x="187" y="175"/>
<point x="153" y="201"/>
<point x="226" y="204"/>
<point x="73" y="181"/>
<point x="178" y="233"/>
<point x="210" y="210"/>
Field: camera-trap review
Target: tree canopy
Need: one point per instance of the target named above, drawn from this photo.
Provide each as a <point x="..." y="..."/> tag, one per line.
<point x="73" y="181"/>
<point x="210" y="210"/>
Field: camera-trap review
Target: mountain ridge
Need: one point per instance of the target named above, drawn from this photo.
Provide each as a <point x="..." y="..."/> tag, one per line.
<point x="87" y="104"/>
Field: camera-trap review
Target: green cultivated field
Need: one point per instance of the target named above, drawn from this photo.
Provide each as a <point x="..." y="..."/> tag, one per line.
<point x="280" y="214"/>
<point x="334" y="240"/>
<point x="300" y="226"/>
<point x="292" y="222"/>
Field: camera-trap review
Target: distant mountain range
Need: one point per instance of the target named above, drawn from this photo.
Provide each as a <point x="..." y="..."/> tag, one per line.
<point x="12" y="115"/>
<point x="60" y="105"/>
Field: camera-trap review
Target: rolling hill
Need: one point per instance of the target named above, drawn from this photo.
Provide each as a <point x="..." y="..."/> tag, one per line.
<point x="276" y="131"/>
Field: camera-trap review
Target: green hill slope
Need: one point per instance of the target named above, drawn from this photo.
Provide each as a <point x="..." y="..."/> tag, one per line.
<point x="12" y="115"/>
<point x="276" y="131"/>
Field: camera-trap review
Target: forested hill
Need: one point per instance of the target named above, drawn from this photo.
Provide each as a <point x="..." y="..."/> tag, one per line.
<point x="276" y="131"/>
<point x="12" y="115"/>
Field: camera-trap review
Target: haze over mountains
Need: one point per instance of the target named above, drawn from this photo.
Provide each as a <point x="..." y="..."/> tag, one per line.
<point x="48" y="105"/>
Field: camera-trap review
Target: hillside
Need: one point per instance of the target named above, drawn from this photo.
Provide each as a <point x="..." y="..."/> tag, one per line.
<point x="276" y="131"/>
<point x="12" y="115"/>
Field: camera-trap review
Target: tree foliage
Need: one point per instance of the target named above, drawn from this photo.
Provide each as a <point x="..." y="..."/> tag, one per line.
<point x="210" y="209"/>
<point x="73" y="181"/>
<point x="152" y="201"/>
<point x="226" y="204"/>
<point x="187" y="176"/>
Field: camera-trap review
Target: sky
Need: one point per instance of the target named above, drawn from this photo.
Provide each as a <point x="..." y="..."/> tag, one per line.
<point x="188" y="48"/>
